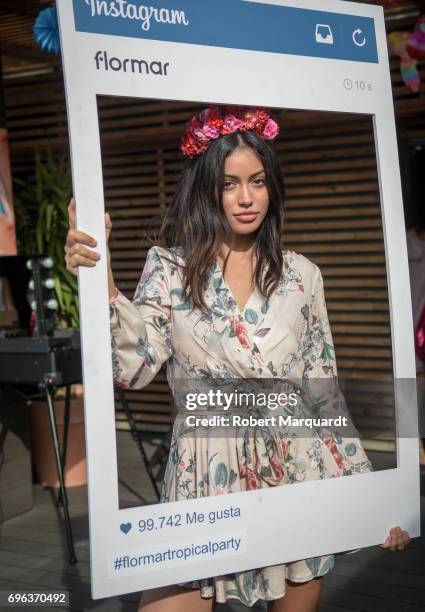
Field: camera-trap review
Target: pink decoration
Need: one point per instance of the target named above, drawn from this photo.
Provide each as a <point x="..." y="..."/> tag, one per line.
<point x="271" y="130"/>
<point x="216" y="121"/>
<point x="409" y="47"/>
<point x="416" y="42"/>
<point x="231" y="124"/>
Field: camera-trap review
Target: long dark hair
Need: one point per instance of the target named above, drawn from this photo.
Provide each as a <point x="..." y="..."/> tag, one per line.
<point x="197" y="222"/>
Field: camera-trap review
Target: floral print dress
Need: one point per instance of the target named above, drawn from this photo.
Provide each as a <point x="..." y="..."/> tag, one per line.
<point x="286" y="336"/>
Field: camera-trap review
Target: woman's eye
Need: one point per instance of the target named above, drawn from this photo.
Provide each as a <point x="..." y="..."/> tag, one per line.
<point x="228" y="185"/>
<point x="259" y="181"/>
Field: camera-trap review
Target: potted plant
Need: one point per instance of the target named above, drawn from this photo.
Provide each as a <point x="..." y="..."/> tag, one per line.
<point x="41" y="226"/>
<point x="41" y="207"/>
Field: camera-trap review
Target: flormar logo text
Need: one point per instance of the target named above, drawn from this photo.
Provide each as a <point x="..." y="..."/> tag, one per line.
<point x="139" y="12"/>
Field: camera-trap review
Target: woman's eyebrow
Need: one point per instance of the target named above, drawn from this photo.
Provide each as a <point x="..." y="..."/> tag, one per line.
<point x="234" y="176"/>
<point x="262" y="171"/>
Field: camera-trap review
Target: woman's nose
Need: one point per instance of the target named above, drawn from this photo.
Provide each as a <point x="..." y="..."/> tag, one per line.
<point x="245" y="198"/>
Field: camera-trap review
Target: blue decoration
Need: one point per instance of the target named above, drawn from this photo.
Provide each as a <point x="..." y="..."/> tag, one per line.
<point x="46" y="30"/>
<point x="351" y="449"/>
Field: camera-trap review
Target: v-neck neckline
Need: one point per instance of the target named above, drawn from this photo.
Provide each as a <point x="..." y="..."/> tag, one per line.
<point x="240" y="311"/>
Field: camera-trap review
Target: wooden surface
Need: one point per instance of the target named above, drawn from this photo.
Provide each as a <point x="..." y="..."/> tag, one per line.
<point x="332" y="210"/>
<point x="33" y="555"/>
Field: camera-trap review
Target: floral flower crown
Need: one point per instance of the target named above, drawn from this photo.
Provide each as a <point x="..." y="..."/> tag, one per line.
<point x="216" y="121"/>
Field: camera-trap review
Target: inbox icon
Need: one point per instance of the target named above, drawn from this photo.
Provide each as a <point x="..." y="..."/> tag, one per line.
<point x="324" y="34"/>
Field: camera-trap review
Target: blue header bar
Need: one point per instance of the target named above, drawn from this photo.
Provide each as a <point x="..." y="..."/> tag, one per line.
<point x="233" y="24"/>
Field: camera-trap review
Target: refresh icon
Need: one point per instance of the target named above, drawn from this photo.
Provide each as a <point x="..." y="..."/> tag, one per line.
<point x="359" y="39"/>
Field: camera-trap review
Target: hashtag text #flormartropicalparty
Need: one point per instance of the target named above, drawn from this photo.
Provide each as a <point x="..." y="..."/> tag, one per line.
<point x="208" y="549"/>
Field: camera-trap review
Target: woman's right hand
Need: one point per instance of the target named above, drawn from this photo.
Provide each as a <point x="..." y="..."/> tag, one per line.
<point x="76" y="252"/>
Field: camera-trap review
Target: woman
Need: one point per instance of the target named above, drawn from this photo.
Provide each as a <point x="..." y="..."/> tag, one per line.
<point x="416" y="254"/>
<point x="227" y="302"/>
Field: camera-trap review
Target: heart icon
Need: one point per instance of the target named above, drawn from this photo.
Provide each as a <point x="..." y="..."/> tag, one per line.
<point x="125" y="527"/>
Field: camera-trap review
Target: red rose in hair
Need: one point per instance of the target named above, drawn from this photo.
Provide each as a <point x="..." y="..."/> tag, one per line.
<point x="263" y="116"/>
<point x="190" y="148"/>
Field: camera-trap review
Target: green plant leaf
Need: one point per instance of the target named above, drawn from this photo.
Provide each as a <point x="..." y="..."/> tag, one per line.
<point x="41" y="206"/>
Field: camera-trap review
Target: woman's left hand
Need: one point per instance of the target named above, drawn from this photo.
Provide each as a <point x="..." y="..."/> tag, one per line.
<point x="397" y="540"/>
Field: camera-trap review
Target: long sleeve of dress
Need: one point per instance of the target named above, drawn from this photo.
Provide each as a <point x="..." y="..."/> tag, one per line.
<point x="141" y="328"/>
<point x="318" y="349"/>
<point x="323" y="387"/>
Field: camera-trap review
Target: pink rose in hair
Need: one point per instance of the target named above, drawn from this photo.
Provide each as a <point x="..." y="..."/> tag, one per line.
<point x="231" y="124"/>
<point x="212" y="112"/>
<point x="194" y="125"/>
<point x="205" y="114"/>
<point x="271" y="130"/>
<point x="211" y="132"/>
<point x="200" y="135"/>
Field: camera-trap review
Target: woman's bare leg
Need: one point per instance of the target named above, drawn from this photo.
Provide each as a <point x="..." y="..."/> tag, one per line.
<point x="174" y="599"/>
<point x="299" y="597"/>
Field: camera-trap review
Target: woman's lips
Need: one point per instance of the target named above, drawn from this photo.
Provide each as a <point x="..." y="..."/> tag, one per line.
<point x="246" y="217"/>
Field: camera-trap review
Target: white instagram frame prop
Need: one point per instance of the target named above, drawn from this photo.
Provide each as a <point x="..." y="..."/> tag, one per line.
<point x="312" y="76"/>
